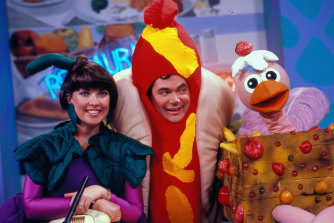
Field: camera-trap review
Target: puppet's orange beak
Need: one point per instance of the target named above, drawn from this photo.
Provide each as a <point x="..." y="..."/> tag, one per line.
<point x="269" y="96"/>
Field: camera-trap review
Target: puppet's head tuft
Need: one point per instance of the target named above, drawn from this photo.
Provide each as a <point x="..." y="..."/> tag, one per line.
<point x="243" y="48"/>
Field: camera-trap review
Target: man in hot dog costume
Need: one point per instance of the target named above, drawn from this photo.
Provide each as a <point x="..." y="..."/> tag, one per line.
<point x="182" y="171"/>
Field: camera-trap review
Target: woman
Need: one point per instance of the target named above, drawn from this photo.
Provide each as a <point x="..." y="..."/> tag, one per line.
<point x="57" y="162"/>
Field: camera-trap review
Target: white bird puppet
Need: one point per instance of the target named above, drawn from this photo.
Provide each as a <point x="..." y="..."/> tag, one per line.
<point x="264" y="88"/>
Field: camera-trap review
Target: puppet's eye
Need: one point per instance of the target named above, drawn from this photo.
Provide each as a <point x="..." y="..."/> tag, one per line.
<point x="251" y="82"/>
<point x="271" y="74"/>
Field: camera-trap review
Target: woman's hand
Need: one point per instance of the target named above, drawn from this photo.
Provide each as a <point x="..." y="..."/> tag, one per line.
<point x="110" y="208"/>
<point x="90" y="194"/>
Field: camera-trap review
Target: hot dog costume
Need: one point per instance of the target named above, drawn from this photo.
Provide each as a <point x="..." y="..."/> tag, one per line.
<point x="175" y="173"/>
<point x="183" y="167"/>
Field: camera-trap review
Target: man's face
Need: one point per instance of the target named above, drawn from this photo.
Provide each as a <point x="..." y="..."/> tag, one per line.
<point x="171" y="97"/>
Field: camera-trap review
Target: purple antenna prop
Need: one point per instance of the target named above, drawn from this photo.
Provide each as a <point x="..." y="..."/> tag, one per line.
<point x="76" y="200"/>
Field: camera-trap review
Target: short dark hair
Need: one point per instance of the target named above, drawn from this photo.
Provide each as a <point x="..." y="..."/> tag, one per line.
<point x="149" y="91"/>
<point x="86" y="75"/>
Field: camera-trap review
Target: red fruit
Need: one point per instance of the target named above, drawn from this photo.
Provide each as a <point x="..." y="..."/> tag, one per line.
<point x="278" y="168"/>
<point x="315" y="128"/>
<point x="306" y="147"/>
<point x="315" y="168"/>
<point x="23" y="42"/>
<point x="331" y="126"/>
<point x="254" y="149"/>
<point x="224" y="166"/>
<point x="233" y="169"/>
<point x="224" y="195"/>
<point x="239" y="213"/>
<point x="232" y="209"/>
<point x="219" y="175"/>
<point x="294" y="173"/>
<point x="275" y="189"/>
<point x="315" y="136"/>
<point x="243" y="48"/>
<point x="245" y="165"/>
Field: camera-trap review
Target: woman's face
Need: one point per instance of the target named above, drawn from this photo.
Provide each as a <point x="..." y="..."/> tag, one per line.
<point x="91" y="105"/>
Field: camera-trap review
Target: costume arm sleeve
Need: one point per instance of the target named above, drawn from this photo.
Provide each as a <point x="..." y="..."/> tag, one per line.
<point x="325" y="216"/>
<point x="290" y="214"/>
<point x="37" y="207"/>
<point x="132" y="205"/>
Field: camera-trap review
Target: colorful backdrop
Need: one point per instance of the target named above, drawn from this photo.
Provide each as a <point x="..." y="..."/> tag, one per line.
<point x="301" y="33"/>
<point x="308" y="46"/>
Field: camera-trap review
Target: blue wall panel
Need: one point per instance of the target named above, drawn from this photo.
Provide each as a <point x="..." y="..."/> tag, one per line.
<point x="308" y="44"/>
<point x="9" y="168"/>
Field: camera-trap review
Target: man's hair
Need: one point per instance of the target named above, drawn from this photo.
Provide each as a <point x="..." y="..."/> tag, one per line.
<point x="149" y="91"/>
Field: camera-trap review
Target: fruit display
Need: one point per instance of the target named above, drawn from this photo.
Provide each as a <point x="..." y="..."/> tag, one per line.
<point x="30" y="43"/>
<point x="293" y="168"/>
<point x="86" y="39"/>
<point x="70" y="37"/>
<point x="118" y="31"/>
<point x="27" y="45"/>
<point x="23" y="43"/>
<point x="50" y="43"/>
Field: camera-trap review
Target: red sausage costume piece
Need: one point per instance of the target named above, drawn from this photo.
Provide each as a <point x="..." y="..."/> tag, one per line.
<point x="166" y="48"/>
